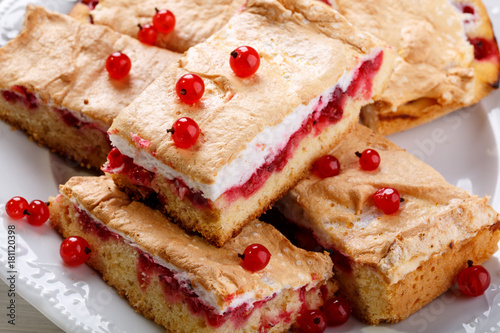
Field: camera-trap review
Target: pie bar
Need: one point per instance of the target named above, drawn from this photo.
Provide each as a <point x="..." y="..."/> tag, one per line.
<point x="390" y="265"/>
<point x="55" y="86"/>
<point x="195" y="20"/>
<point x="259" y="134"/>
<point x="447" y="58"/>
<point x="181" y="281"/>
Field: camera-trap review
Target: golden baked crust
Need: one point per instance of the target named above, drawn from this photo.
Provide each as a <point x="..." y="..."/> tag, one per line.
<point x="195" y="20"/>
<point x="62" y="61"/>
<point x="217" y="270"/>
<point x="435" y="71"/>
<point x="386" y="251"/>
<point x="234" y="110"/>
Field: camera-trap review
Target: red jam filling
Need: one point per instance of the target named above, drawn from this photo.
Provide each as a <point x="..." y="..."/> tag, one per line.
<point x="173" y="292"/>
<point x="323" y="116"/>
<point x="331" y="113"/>
<point x="122" y="164"/>
<point x="92" y="226"/>
<point x="20" y="94"/>
<point x="485" y="49"/>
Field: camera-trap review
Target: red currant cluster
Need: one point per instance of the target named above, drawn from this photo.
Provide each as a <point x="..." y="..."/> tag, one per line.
<point x="36" y="212"/>
<point x="74" y="250"/>
<point x="244" y="62"/>
<point x="163" y="22"/>
<point x="336" y="311"/>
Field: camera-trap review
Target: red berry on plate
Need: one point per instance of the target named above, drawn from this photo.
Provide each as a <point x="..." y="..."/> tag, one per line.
<point x="326" y="166"/>
<point x="147" y="34"/>
<point x="473" y="280"/>
<point x="312" y="321"/>
<point x="369" y="159"/>
<point x="337" y="311"/>
<point x="387" y="199"/>
<point x="185" y="132"/>
<point x="38" y="212"/>
<point x="16" y="207"/>
<point x="118" y="65"/>
<point x="190" y="88"/>
<point x="74" y="251"/>
<point x="255" y="258"/>
<point x="244" y="61"/>
<point x="164" y="21"/>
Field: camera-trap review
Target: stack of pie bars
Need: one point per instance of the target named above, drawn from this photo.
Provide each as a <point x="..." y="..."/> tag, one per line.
<point x="168" y="224"/>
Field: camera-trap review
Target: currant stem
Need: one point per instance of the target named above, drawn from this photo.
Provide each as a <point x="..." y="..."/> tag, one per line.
<point x="470" y="263"/>
<point x="358" y="154"/>
<point x="87" y="250"/>
<point x="26" y="212"/>
<point x="140" y="26"/>
<point x="171" y="130"/>
<point x="234" y="54"/>
<point x="401" y="200"/>
<point x="156" y="9"/>
<point x="241" y="256"/>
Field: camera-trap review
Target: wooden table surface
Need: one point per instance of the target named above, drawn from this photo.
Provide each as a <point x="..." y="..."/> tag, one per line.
<point x="28" y="319"/>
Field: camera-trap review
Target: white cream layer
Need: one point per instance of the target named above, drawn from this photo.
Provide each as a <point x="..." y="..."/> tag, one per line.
<point x="184" y="279"/>
<point x="264" y="147"/>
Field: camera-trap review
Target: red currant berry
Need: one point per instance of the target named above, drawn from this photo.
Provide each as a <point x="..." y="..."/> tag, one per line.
<point x="387" y="199"/>
<point x="190" y="88"/>
<point x="473" y="280"/>
<point x="164" y="21"/>
<point x="244" y="61"/>
<point x="312" y="321"/>
<point x="369" y="159"/>
<point x="16" y="207"/>
<point x="38" y="212"/>
<point x="255" y="258"/>
<point x="115" y="158"/>
<point x="326" y="166"/>
<point x="92" y="4"/>
<point x="74" y="251"/>
<point x="147" y="34"/>
<point x="185" y="132"/>
<point x="337" y="311"/>
<point x="118" y="65"/>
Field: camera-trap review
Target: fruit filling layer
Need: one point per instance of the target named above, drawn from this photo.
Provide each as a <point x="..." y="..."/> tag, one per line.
<point x="248" y="173"/>
<point x="20" y="94"/>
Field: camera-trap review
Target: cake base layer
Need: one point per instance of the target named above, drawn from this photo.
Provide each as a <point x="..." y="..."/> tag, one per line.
<point x="118" y="261"/>
<point x="374" y="300"/>
<point x="87" y="144"/>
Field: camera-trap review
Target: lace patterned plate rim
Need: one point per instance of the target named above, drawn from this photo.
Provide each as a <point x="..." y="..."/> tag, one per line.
<point x="78" y="300"/>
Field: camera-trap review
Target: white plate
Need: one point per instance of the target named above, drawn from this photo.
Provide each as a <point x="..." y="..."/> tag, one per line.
<point x="463" y="146"/>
